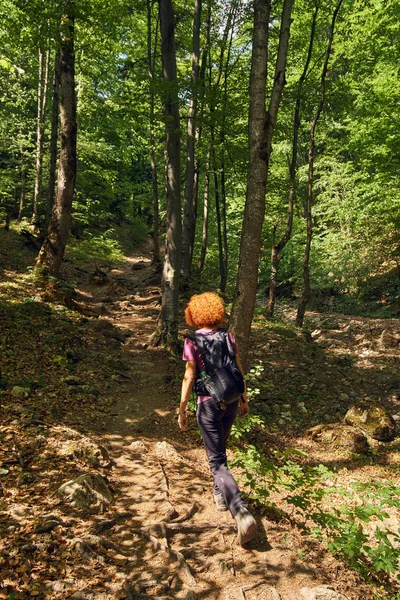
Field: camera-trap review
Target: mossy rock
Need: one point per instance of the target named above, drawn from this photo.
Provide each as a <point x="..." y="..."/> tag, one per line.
<point x="373" y="420"/>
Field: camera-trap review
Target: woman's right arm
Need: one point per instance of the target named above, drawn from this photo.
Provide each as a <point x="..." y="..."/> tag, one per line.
<point x="187" y="385"/>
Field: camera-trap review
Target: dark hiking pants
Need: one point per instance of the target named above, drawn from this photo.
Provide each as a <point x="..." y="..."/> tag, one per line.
<point x="215" y="426"/>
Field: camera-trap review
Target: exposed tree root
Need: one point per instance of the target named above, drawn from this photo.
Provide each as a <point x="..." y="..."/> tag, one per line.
<point x="274" y="592"/>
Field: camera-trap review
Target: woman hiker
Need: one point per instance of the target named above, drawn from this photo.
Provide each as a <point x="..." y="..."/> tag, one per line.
<point x="206" y="313"/>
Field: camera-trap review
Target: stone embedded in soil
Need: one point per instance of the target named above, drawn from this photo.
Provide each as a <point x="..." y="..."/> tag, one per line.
<point x="168" y="451"/>
<point x="93" y="454"/>
<point x="341" y="437"/>
<point x="71" y="380"/>
<point x="138" y="447"/>
<point x="321" y="592"/>
<point x="86" y="490"/>
<point x="20" y="392"/>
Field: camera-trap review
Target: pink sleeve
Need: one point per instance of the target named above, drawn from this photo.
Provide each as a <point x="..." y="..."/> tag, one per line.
<point x="189" y="350"/>
<point x="233" y="341"/>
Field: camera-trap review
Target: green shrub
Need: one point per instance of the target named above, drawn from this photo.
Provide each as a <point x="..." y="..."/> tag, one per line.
<point x="101" y="247"/>
<point x="138" y="232"/>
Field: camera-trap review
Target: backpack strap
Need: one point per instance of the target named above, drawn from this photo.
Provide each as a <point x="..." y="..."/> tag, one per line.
<point x="198" y="339"/>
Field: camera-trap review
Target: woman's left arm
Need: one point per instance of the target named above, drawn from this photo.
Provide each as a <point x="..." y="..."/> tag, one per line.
<point x="244" y="401"/>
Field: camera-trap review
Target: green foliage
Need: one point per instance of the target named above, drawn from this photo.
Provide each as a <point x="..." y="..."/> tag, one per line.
<point x="138" y="232"/>
<point x="102" y="247"/>
<point x="332" y="514"/>
<point x="241" y="427"/>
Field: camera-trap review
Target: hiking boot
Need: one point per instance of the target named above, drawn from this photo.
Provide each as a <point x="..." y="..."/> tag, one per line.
<point x="220" y="502"/>
<point x="246" y="526"/>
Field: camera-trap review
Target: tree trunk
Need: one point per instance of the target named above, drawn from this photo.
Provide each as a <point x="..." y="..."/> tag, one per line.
<point x="54" y="135"/>
<point x="52" y="252"/>
<point x="22" y="172"/>
<point x="43" y="81"/>
<point x="222" y="274"/>
<point x="213" y="104"/>
<point x="190" y="203"/>
<point x="310" y="179"/>
<point x="204" y="237"/>
<point x="171" y="270"/>
<point x="261" y="128"/>
<point x="278" y="247"/>
<point x="223" y="226"/>
<point x="151" y="56"/>
<point x="199" y="126"/>
<point x="224" y="231"/>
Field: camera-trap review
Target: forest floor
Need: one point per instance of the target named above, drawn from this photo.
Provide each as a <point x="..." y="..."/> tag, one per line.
<point x="83" y="392"/>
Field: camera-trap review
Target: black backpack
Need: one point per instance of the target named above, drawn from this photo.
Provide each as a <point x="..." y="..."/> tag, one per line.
<point x="222" y="379"/>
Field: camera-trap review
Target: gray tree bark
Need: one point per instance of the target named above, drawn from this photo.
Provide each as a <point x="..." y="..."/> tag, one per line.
<point x="261" y="128"/>
<point x="204" y="237"/>
<point x="43" y="81"/>
<point x="171" y="270"/>
<point x="305" y="298"/>
<point x="278" y="247"/>
<point x="190" y="196"/>
<point x="54" y="135"/>
<point x="22" y="178"/>
<point x="52" y="251"/>
<point x="153" y="163"/>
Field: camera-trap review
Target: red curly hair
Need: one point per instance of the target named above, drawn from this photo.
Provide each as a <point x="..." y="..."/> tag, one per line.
<point x="205" y="310"/>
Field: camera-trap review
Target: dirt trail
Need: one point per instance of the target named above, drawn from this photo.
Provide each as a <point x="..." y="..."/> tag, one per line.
<point x="70" y="384"/>
<point x="172" y="541"/>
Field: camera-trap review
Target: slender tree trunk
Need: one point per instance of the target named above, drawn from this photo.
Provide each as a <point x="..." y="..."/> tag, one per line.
<point x="151" y="57"/>
<point x="199" y="126"/>
<point x="54" y="135"/>
<point x="221" y="247"/>
<point x="43" y="82"/>
<point x="171" y="270"/>
<point x="310" y="179"/>
<point x="22" y="172"/>
<point x="222" y="274"/>
<point x="204" y="237"/>
<point x="224" y="233"/>
<point x="278" y="247"/>
<point x="189" y="204"/>
<point x="52" y="252"/>
<point x="261" y="128"/>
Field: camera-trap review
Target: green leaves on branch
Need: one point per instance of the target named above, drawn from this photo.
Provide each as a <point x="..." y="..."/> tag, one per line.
<point x="345" y="518"/>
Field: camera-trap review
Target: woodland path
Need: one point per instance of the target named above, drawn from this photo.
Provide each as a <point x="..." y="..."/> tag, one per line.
<point x="97" y="380"/>
<point x="176" y="544"/>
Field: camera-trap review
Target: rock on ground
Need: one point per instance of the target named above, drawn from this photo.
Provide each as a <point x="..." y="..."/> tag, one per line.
<point x="321" y="592"/>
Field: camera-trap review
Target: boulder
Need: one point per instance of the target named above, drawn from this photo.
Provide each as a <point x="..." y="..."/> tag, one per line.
<point x="320" y="592"/>
<point x="373" y="420"/>
<point x="86" y="491"/>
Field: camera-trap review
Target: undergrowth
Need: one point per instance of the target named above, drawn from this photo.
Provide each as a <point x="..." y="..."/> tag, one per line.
<point x="349" y="520"/>
<point x="102" y="247"/>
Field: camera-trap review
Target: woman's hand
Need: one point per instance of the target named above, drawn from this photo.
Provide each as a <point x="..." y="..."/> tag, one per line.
<point x="244" y="406"/>
<point x="182" y="421"/>
<point x="187" y="385"/>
